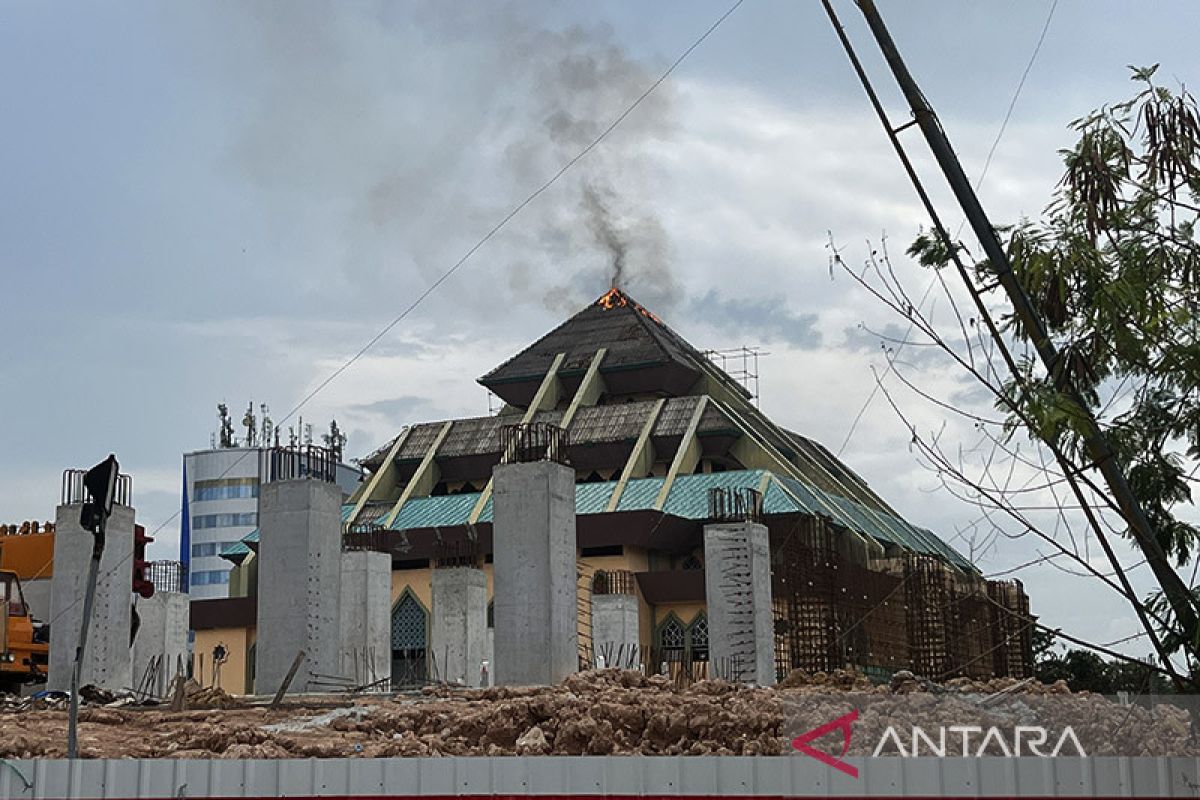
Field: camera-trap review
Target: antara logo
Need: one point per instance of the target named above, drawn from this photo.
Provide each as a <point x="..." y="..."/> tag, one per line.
<point x="843" y="724"/>
<point x="976" y="741"/>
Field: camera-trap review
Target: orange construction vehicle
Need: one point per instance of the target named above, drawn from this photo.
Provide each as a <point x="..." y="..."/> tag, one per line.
<point x="24" y="644"/>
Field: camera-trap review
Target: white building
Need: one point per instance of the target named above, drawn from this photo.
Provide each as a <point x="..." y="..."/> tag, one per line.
<point x="220" y="507"/>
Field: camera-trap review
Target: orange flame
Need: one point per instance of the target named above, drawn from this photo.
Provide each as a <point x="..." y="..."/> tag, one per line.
<point x="615" y="298"/>
<point x="612" y="299"/>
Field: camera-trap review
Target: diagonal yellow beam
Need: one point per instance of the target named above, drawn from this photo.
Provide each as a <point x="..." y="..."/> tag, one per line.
<point x="589" y="391"/>
<point x="687" y="456"/>
<point x="544" y="399"/>
<point x="423" y="480"/>
<point x="388" y="469"/>
<point x="641" y="458"/>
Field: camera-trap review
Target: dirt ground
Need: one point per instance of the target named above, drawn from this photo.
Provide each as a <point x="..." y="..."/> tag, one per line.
<point x="604" y="712"/>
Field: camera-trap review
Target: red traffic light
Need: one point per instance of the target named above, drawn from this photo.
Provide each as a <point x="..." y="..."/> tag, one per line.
<point x="141" y="584"/>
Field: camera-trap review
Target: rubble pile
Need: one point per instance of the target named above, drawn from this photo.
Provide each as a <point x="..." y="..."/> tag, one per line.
<point x="600" y="712"/>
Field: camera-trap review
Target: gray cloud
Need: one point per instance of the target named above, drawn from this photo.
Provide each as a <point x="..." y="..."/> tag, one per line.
<point x="400" y="410"/>
<point x="770" y="319"/>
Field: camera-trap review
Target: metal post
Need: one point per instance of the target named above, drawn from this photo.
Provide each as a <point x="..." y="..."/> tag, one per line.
<point x="1097" y="443"/>
<point x="88" y="598"/>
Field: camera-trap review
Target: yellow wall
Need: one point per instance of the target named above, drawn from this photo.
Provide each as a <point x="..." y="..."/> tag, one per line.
<point x="685" y="611"/>
<point x="237" y="643"/>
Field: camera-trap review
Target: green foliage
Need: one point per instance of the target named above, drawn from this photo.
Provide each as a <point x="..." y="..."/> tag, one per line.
<point x="1113" y="268"/>
<point x="1084" y="671"/>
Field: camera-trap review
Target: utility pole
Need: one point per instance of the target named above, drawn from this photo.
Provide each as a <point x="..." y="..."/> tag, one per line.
<point x="101" y="484"/>
<point x="1099" y="449"/>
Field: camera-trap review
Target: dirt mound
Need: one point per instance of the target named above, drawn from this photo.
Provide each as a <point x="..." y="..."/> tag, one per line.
<point x="599" y="712"/>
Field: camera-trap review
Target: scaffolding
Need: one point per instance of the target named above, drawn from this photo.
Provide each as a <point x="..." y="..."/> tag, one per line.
<point x="836" y="608"/>
<point x="741" y="364"/>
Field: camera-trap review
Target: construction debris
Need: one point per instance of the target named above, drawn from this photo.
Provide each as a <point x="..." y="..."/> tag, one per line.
<point x="601" y="712"/>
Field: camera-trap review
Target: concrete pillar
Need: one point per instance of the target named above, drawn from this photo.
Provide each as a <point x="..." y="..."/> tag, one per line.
<point x="366" y="627"/>
<point x="737" y="582"/>
<point x="162" y="639"/>
<point x="37" y="597"/>
<point x="615" y="630"/>
<point x="458" y="631"/>
<point x="299" y="584"/>
<point x="106" y="662"/>
<point x="534" y="563"/>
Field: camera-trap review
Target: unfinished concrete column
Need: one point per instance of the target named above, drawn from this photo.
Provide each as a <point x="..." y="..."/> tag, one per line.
<point x="106" y="662"/>
<point x="737" y="582"/>
<point x="615" y="630"/>
<point x="299" y="584"/>
<point x="534" y="563"/>
<point x="458" y="631"/>
<point x="366" y="619"/>
<point x="160" y="650"/>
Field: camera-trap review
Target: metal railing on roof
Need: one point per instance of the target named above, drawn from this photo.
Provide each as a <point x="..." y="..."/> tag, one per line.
<point x="167" y="576"/>
<point x="297" y="462"/>
<point x="614" y="581"/>
<point x="735" y="504"/>
<point x="73" y="491"/>
<point x="533" y="441"/>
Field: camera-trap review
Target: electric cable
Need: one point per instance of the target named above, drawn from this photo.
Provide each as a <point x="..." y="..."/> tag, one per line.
<point x="979" y="182"/>
<point x="496" y="228"/>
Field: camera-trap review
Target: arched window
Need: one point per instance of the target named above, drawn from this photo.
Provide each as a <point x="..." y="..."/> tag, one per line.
<point x="671" y="635"/>
<point x="408" y="624"/>
<point x="409" y="621"/>
<point x="698" y="637"/>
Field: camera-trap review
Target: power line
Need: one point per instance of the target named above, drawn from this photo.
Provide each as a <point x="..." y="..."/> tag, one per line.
<point x="553" y="179"/>
<point x="1013" y="103"/>
<point x="978" y="183"/>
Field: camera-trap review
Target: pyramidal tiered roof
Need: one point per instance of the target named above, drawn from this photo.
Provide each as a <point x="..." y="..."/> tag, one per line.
<point x="654" y="357"/>
<point x="657" y="393"/>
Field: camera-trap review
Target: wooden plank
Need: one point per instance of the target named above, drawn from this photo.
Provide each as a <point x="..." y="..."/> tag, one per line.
<point x="287" y="679"/>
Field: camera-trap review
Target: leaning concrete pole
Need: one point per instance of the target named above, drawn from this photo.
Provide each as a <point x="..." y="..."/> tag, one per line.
<point x="101" y="484"/>
<point x="1099" y="449"/>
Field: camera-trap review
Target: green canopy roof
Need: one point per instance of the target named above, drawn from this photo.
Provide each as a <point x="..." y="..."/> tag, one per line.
<point x="688" y="499"/>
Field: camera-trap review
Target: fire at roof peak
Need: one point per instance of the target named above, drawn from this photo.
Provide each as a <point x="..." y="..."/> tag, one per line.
<point x="615" y="298"/>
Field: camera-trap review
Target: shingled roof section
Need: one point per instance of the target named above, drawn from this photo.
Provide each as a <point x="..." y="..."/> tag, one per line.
<point x="633" y="337"/>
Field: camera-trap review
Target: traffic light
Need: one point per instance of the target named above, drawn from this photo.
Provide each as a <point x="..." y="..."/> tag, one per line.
<point x="141" y="584"/>
<point x="101" y="483"/>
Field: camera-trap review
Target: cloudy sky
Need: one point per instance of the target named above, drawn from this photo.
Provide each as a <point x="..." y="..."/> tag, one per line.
<point x="208" y="202"/>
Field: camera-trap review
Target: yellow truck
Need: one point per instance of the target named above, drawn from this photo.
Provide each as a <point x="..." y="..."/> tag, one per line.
<point x="24" y="646"/>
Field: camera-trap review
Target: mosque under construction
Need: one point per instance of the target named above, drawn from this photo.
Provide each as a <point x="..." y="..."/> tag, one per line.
<point x="664" y="445"/>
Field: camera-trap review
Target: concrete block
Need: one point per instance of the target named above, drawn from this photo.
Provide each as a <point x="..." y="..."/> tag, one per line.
<point x="615" y="630"/>
<point x="737" y="582"/>
<point x="366" y="618"/>
<point x="534" y="566"/>
<point x="299" y="583"/>
<point x="162" y="639"/>
<point x="106" y="662"/>
<point x="458" y="630"/>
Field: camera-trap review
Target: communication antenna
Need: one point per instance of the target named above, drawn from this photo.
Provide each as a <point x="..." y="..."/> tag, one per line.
<point x="268" y="427"/>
